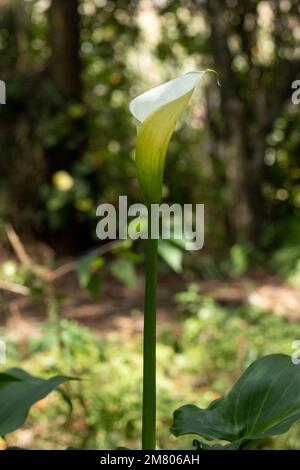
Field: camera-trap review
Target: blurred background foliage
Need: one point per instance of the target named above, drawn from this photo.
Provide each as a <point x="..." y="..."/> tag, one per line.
<point x="67" y="144"/>
<point x="67" y="137"/>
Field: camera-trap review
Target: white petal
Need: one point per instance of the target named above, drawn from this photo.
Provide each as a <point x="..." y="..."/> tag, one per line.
<point x="145" y="104"/>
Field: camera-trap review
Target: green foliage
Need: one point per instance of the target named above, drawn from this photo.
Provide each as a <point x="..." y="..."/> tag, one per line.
<point x="172" y="254"/>
<point x="223" y="339"/>
<point x="123" y="270"/>
<point x="18" y="392"/>
<point x="89" y="268"/>
<point x="239" y="260"/>
<point x="214" y="345"/>
<point x="285" y="260"/>
<point x="264" y="402"/>
<point x="294" y="275"/>
<point x="39" y="128"/>
<point x="47" y="127"/>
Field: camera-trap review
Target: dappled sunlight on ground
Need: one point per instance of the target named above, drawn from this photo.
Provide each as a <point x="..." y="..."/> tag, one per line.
<point x="119" y="308"/>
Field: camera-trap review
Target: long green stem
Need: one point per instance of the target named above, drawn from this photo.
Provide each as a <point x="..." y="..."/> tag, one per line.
<point x="149" y="369"/>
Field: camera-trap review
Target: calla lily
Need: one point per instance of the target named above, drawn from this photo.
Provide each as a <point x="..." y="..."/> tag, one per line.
<point x="157" y="112"/>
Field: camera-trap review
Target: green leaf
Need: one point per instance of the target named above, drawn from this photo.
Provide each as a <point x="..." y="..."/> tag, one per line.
<point x="239" y="260"/>
<point x="264" y="402"/>
<point x="171" y="254"/>
<point x="18" y="392"/>
<point x="124" y="271"/>
<point x="88" y="269"/>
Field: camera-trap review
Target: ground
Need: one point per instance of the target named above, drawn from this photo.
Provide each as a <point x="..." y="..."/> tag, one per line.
<point x="120" y="308"/>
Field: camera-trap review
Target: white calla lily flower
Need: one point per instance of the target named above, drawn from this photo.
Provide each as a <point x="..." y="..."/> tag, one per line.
<point x="157" y="112"/>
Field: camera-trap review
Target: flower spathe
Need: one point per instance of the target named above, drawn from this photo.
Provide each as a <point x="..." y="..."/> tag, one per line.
<point x="157" y="112"/>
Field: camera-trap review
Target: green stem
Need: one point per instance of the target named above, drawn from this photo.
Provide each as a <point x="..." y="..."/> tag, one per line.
<point x="149" y="369"/>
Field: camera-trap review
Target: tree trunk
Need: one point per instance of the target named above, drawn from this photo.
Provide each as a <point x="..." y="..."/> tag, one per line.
<point x="243" y="171"/>
<point x="244" y="182"/>
<point x="64" y="39"/>
<point x="64" y="42"/>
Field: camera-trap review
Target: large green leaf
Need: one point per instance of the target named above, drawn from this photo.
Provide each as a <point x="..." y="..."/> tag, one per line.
<point x="264" y="402"/>
<point x="18" y="392"/>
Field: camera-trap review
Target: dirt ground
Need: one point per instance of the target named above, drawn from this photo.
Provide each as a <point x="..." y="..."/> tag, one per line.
<point x="120" y="309"/>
